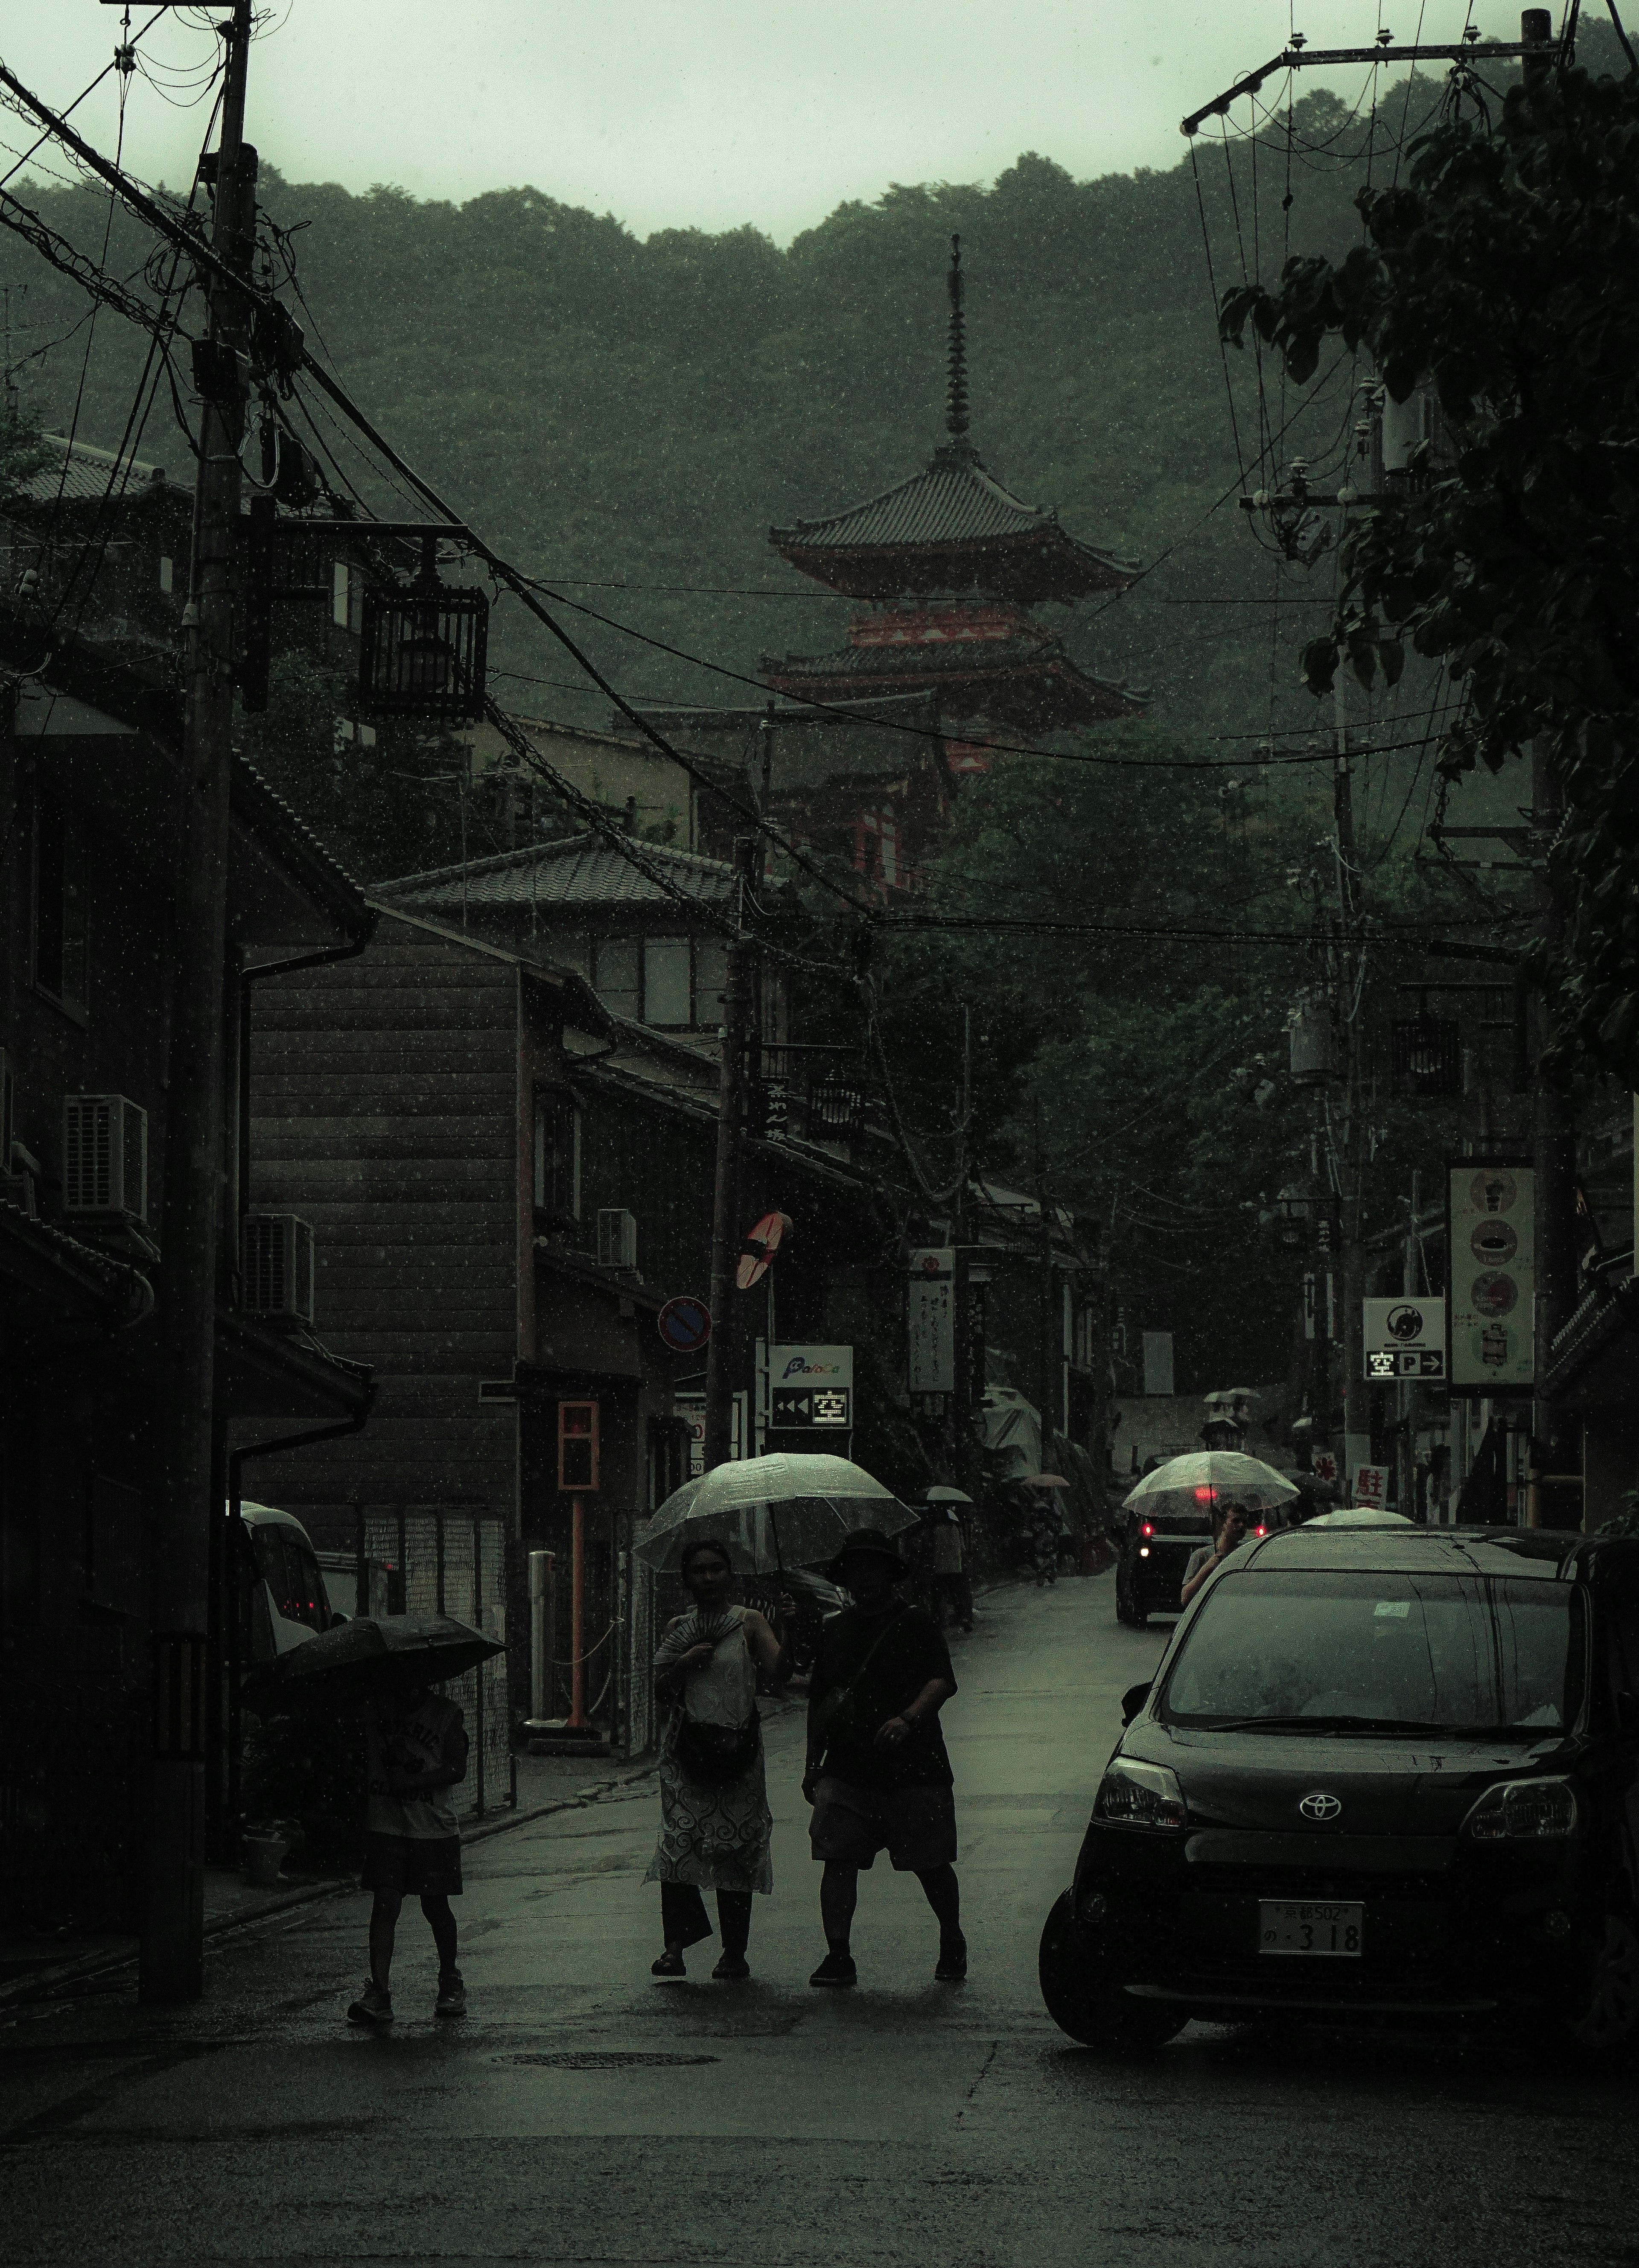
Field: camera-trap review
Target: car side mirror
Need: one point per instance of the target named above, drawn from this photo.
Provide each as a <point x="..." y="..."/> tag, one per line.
<point x="1132" y="1701"/>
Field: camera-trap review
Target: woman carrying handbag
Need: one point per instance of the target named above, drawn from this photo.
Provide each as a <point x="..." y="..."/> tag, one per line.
<point x="716" y="1821"/>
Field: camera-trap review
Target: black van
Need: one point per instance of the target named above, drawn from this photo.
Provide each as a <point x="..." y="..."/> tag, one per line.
<point x="1380" y="1774"/>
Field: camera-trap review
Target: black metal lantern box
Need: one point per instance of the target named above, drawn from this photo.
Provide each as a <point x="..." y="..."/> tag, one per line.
<point x="421" y="652"/>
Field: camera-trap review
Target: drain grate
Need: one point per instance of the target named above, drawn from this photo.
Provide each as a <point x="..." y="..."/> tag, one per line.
<point x="596" y="2059"/>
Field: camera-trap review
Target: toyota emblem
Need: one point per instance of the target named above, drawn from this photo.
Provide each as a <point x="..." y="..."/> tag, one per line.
<point x="1320" y="1806"/>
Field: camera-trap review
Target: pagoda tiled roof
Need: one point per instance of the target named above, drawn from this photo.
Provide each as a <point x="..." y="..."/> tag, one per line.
<point x="953" y="526"/>
<point x="1031" y="680"/>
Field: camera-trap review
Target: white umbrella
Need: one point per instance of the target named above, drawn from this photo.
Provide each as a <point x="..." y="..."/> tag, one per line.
<point x="1207" y="1478"/>
<point x="786" y="1507"/>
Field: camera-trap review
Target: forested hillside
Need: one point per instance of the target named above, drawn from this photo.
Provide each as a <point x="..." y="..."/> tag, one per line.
<point x="627" y="417"/>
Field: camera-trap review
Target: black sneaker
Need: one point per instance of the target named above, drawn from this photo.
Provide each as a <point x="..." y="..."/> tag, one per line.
<point x="953" y="1961"/>
<point x="836" y="1969"/>
<point x="452" y="2001"/>
<point x="373" y="2008"/>
<point x="670" y="1964"/>
<point x="733" y="1969"/>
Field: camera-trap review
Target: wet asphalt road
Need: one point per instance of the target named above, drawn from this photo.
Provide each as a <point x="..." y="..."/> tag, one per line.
<point x="583" y="2114"/>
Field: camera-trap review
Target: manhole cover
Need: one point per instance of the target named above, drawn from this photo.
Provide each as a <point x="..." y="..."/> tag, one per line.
<point x="595" y="2059"/>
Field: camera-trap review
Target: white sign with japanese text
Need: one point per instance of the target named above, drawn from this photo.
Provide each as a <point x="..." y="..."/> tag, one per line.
<point x="931" y="1322"/>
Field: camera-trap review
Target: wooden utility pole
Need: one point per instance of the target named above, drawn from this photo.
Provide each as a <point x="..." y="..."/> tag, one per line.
<point x="726" y="1232"/>
<point x="172" y="1961"/>
<point x="1351" y="1153"/>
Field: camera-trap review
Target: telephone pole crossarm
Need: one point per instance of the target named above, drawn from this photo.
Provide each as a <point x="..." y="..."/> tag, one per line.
<point x="1301" y="58"/>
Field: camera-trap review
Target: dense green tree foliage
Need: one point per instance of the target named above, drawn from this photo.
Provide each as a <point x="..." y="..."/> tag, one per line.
<point x="1505" y="271"/>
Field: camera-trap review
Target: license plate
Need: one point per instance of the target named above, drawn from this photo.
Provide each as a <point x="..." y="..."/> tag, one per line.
<point x="1319" y="1926"/>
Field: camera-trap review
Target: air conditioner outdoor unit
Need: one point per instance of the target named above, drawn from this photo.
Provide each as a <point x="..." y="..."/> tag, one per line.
<point x="105" y="1157"/>
<point x="275" y="1266"/>
<point x="617" y="1238"/>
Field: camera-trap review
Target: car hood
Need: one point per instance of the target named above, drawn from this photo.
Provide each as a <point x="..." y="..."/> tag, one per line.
<point x="1259" y="1781"/>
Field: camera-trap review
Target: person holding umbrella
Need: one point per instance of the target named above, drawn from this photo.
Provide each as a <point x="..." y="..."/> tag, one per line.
<point x="878" y="1776"/>
<point x="415" y="1751"/>
<point x="716" y="1821"/>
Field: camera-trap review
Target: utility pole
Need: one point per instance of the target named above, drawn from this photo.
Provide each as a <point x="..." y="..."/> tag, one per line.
<point x="1553" y="1152"/>
<point x="172" y="1960"/>
<point x="1356" y="1400"/>
<point x="723" y="1343"/>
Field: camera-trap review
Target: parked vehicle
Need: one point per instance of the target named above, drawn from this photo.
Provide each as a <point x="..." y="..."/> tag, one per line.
<point x="1155" y="1548"/>
<point x="284" y="1599"/>
<point x="1381" y="1774"/>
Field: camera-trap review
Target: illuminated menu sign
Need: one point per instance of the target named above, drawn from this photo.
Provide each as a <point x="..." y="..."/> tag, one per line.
<point x="1492" y="1341"/>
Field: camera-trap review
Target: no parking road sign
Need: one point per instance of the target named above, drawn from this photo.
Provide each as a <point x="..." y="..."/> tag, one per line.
<point x="686" y="1324"/>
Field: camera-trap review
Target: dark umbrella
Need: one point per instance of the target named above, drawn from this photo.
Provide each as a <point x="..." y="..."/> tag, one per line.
<point x="350" y="1661"/>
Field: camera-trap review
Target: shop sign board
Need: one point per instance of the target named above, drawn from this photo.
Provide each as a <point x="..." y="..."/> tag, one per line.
<point x="1492" y="1243"/>
<point x="811" y="1387"/>
<point x="1404" y="1338"/>
<point x="931" y="1321"/>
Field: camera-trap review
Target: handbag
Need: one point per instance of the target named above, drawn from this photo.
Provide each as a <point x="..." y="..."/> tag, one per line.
<point x="714" y="1754"/>
<point x="835" y="1717"/>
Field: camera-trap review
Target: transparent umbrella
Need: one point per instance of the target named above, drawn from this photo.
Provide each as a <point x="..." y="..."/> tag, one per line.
<point x="1207" y="1478"/>
<point x="786" y="1509"/>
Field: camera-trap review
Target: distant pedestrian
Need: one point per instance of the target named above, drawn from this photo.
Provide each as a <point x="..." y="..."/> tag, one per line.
<point x="878" y="1776"/>
<point x="944" y="1574"/>
<point x="715" y="1821"/>
<point x="415" y="1751"/>
<point x="1046" y="1529"/>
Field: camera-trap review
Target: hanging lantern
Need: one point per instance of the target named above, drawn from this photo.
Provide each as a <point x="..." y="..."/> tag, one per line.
<point x="1428" y="1056"/>
<point x="422" y="651"/>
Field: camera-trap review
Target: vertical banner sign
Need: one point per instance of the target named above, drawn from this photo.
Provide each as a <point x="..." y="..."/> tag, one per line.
<point x="691" y="1409"/>
<point x="1371" y="1487"/>
<point x="1491" y="1213"/>
<point x="1158" y="1362"/>
<point x="931" y="1322"/>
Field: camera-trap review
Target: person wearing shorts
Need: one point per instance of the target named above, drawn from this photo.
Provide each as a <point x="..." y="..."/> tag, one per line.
<point x="878" y="1776"/>
<point x="415" y="1751"/>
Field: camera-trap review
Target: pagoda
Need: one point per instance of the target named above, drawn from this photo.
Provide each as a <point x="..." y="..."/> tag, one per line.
<point x="949" y="565"/>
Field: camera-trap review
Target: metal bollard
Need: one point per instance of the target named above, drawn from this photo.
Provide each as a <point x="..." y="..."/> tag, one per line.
<point x="541" y="1588"/>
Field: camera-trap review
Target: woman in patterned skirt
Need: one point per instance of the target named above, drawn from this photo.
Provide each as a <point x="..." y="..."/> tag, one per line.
<point x="715" y="1816"/>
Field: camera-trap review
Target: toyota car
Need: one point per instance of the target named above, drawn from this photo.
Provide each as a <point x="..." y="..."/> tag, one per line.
<point x="1380" y="1774"/>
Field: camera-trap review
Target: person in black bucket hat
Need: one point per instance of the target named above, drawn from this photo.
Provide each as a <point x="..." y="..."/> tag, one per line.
<point x="877" y="1776"/>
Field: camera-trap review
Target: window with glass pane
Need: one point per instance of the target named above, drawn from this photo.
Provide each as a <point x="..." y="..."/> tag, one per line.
<point x="666" y="981"/>
<point x="711" y="983"/>
<point x="615" y="975"/>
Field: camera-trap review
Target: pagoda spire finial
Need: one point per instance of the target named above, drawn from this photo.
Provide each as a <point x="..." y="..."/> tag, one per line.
<point x="956" y="390"/>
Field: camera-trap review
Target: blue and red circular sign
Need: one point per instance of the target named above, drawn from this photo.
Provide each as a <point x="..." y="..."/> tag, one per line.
<point x="686" y="1324"/>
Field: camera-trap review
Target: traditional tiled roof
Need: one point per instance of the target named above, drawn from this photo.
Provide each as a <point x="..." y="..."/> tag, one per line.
<point x="971" y="533"/>
<point x="577" y="871"/>
<point x="89" y="475"/>
<point x="1030" y="680"/>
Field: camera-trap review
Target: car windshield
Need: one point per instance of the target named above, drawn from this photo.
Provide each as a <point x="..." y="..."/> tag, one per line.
<point x="1313" y="1650"/>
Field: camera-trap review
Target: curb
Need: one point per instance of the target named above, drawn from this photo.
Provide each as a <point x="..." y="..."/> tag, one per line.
<point x="45" y="1982"/>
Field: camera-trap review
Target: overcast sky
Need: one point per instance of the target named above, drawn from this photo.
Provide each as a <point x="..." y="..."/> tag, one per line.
<point x="696" y="112"/>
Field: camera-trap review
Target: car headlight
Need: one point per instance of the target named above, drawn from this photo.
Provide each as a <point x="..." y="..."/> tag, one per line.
<point x="1134" y="1794"/>
<point x="1524" y="1811"/>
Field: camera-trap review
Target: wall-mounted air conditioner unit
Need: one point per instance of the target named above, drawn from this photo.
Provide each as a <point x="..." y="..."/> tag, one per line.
<point x="105" y="1157"/>
<point x="276" y="1268"/>
<point x="617" y="1238"/>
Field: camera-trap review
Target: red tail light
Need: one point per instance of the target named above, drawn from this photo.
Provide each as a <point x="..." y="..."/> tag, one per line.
<point x="1146" y="1529"/>
<point x="1260" y="1531"/>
